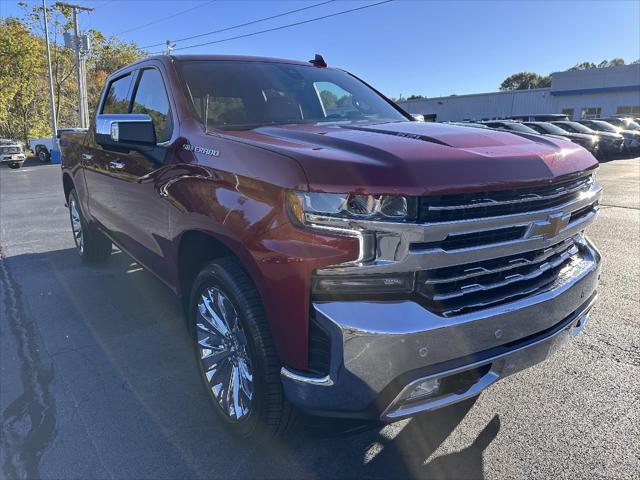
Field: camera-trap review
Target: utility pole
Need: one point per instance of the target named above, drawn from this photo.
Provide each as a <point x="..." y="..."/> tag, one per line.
<point x="52" y="104"/>
<point x="83" y="114"/>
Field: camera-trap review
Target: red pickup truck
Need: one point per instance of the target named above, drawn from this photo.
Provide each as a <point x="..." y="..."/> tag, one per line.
<point x="334" y="256"/>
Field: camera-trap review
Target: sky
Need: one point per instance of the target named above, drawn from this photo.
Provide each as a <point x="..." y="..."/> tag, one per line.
<point x="406" y="47"/>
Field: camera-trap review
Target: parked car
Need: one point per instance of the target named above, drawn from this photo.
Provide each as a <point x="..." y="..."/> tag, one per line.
<point x="590" y="142"/>
<point x="42" y="147"/>
<point x="468" y="124"/>
<point x="11" y="153"/>
<point x="610" y="143"/>
<point x="338" y="258"/>
<point x="514" y="126"/>
<point x="631" y="138"/>
<point x="623" y="123"/>
<point x="540" y="117"/>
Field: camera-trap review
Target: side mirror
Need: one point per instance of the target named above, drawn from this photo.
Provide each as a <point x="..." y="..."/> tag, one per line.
<point x="125" y="131"/>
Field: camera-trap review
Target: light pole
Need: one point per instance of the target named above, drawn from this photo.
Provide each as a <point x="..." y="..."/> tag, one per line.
<point x="54" y="126"/>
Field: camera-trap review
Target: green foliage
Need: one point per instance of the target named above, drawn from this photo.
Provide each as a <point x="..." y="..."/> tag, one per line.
<point x="616" y="62"/>
<point x="525" y="81"/>
<point x="416" y="97"/>
<point x="24" y="90"/>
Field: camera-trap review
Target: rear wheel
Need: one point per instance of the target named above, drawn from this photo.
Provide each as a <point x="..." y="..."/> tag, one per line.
<point x="236" y="354"/>
<point x="91" y="244"/>
<point x="43" y="155"/>
<point x="15" y="165"/>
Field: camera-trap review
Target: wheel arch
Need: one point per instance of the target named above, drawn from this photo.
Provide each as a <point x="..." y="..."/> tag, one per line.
<point x="195" y="249"/>
<point x="67" y="185"/>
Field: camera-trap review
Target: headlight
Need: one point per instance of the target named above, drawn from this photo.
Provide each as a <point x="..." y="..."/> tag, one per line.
<point x="334" y="209"/>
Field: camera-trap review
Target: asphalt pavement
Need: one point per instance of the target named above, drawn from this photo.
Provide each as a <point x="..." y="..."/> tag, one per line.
<point x="98" y="377"/>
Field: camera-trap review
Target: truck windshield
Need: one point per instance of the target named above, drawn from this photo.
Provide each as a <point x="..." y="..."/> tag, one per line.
<point x="235" y="95"/>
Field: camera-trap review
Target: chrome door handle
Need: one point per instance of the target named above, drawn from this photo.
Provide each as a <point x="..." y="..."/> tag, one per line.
<point x="86" y="156"/>
<point x="116" y="165"/>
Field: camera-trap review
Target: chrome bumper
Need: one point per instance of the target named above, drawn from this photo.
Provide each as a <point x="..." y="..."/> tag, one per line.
<point x="379" y="349"/>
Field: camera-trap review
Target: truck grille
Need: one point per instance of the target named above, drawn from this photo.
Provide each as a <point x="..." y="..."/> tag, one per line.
<point x="447" y="208"/>
<point x="462" y="289"/>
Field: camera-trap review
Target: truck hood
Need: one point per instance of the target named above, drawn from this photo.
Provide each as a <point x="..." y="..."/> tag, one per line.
<point x="418" y="158"/>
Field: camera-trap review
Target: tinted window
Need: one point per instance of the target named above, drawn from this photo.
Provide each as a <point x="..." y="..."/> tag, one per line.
<point x="116" y="100"/>
<point x="245" y="95"/>
<point x="151" y="98"/>
<point x="537" y="128"/>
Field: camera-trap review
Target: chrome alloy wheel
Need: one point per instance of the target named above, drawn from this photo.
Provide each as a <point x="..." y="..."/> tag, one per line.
<point x="76" y="224"/>
<point x="223" y="355"/>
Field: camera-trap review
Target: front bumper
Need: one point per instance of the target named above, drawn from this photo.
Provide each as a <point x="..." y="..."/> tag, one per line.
<point x="12" y="158"/>
<point x="380" y="349"/>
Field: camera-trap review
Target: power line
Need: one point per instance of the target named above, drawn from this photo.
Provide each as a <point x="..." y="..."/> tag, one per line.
<point x="241" y="25"/>
<point x="165" y="18"/>
<point x="282" y="26"/>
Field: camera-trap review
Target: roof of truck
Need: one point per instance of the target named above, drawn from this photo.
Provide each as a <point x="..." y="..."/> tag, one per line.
<point x="237" y="58"/>
<point x="202" y="57"/>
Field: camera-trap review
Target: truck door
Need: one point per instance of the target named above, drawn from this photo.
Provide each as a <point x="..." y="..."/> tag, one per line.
<point x="99" y="163"/>
<point x="141" y="220"/>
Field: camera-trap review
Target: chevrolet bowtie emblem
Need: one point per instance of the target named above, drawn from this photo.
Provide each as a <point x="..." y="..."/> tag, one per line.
<point x="550" y="227"/>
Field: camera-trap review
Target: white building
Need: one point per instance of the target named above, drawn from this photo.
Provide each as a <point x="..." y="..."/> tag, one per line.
<point x="597" y="92"/>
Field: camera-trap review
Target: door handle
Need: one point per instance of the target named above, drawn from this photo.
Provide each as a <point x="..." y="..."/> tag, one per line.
<point x="116" y="165"/>
<point x="86" y="156"/>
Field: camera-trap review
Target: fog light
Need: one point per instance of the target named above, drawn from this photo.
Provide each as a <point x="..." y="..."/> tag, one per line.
<point x="365" y="284"/>
<point x="426" y="388"/>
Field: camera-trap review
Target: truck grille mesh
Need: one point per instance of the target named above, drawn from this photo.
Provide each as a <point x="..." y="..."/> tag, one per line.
<point x="446" y="208"/>
<point x="462" y="289"/>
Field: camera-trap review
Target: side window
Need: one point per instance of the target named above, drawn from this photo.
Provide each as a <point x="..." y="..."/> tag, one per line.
<point x="339" y="103"/>
<point x="151" y="98"/>
<point x="116" y="100"/>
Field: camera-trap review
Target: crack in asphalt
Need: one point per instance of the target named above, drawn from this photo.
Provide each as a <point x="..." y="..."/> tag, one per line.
<point x="29" y="422"/>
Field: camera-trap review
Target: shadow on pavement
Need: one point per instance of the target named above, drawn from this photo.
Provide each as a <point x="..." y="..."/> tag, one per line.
<point x="117" y="342"/>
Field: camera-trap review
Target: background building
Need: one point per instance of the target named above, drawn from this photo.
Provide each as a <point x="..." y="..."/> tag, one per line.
<point x="596" y="92"/>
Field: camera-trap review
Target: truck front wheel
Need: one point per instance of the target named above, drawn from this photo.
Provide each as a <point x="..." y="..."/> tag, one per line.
<point x="91" y="244"/>
<point x="235" y="352"/>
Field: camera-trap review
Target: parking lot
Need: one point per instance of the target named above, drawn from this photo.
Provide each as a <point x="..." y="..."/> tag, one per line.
<point x="98" y="378"/>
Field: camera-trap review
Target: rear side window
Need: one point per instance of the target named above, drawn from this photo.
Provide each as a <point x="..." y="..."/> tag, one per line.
<point x="116" y="100"/>
<point x="151" y="98"/>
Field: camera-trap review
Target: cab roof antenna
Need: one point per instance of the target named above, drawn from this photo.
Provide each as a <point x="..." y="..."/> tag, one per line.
<point x="318" y="61"/>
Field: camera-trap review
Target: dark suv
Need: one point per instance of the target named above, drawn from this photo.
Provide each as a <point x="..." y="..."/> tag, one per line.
<point x="611" y="142"/>
<point x="589" y="141"/>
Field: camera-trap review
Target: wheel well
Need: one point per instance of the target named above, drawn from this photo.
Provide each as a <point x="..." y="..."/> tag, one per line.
<point x="195" y="250"/>
<point x="67" y="184"/>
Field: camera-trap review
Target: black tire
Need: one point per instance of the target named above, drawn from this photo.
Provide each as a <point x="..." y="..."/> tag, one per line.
<point x="43" y="154"/>
<point x="270" y="413"/>
<point x="15" y="165"/>
<point x="92" y="245"/>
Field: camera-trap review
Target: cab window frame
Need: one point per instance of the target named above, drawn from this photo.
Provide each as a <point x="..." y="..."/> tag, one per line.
<point x="134" y="90"/>
<point x="132" y="78"/>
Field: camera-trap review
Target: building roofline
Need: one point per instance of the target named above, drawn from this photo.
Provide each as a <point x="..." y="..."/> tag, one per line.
<point x="499" y="92"/>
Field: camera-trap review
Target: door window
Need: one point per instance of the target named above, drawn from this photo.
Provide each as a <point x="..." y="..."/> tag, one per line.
<point x="117" y="100"/>
<point x="151" y="98"/>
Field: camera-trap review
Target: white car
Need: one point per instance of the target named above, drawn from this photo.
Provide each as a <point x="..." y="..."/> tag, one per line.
<point x="11" y="153"/>
<point x="42" y="147"/>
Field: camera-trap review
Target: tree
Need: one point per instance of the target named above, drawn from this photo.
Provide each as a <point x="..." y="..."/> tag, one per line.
<point x="24" y="99"/>
<point x="525" y="81"/>
<point x="615" y="62"/>
<point x="416" y="97"/>
<point x="22" y="112"/>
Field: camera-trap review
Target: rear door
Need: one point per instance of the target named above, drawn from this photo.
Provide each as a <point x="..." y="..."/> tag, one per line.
<point x="141" y="213"/>
<point x="99" y="163"/>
